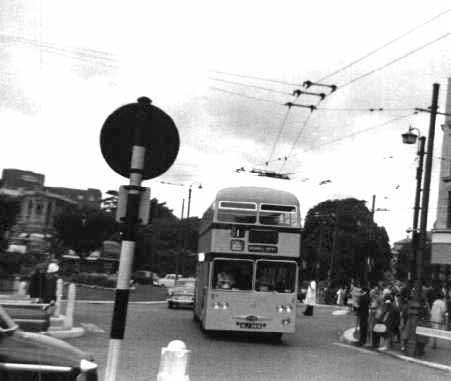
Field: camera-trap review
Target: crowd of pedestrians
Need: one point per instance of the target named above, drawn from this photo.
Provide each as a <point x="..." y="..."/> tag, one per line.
<point x="389" y="313"/>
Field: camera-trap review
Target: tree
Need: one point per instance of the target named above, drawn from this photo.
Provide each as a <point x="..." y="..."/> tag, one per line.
<point x="338" y="238"/>
<point x="109" y="204"/>
<point x="9" y="208"/>
<point x="84" y="230"/>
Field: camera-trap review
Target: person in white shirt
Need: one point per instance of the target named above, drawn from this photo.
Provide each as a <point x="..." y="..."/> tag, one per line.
<point x="438" y="315"/>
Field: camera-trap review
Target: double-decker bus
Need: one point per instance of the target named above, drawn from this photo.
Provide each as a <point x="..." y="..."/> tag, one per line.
<point x="247" y="271"/>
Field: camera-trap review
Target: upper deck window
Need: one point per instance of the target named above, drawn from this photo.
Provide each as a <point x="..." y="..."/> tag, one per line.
<point x="284" y="215"/>
<point x="238" y="212"/>
<point x="237" y="205"/>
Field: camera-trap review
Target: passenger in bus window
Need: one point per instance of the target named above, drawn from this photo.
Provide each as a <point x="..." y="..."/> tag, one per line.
<point x="225" y="279"/>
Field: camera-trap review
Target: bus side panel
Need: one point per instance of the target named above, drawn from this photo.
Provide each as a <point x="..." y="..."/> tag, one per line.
<point x="201" y="287"/>
<point x="205" y="242"/>
<point x="250" y="311"/>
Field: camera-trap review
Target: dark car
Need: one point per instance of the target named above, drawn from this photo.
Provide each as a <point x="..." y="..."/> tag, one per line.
<point x="145" y="277"/>
<point x="27" y="356"/>
<point x="182" y="294"/>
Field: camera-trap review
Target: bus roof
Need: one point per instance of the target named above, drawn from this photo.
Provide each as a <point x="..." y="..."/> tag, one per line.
<point x="258" y="195"/>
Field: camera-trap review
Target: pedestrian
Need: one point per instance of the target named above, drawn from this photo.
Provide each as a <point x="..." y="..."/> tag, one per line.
<point x="49" y="292"/>
<point x="37" y="283"/>
<point x="363" y="313"/>
<point x="422" y="320"/>
<point x="310" y="298"/>
<point x="340" y="296"/>
<point x="438" y="315"/>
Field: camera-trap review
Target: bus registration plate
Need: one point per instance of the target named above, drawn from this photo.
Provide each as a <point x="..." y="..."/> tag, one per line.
<point x="251" y="325"/>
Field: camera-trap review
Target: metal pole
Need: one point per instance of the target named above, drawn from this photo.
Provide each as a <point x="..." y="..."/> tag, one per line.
<point x="334" y="247"/>
<point x="416" y="208"/>
<point x="189" y="201"/>
<point x="370" y="242"/>
<point x="177" y="258"/>
<point x="127" y="247"/>
<point x="426" y="190"/>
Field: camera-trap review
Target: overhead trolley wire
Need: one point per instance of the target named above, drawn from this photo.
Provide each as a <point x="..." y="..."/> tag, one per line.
<point x="374" y="51"/>
<point x="304" y="125"/>
<point x="256" y="78"/>
<point x="353" y="134"/>
<point x="245" y="95"/>
<point x="282" y="126"/>
<point x="79" y="54"/>
<point x="362" y="131"/>
<point x="251" y="86"/>
<point x="409" y="53"/>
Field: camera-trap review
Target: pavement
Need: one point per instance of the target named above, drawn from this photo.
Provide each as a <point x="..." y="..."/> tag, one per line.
<point x="439" y="358"/>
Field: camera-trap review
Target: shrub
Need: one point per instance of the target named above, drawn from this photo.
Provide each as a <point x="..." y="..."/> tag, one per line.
<point x="95" y="279"/>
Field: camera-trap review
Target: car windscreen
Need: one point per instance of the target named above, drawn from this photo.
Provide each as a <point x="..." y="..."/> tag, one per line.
<point x="275" y="276"/>
<point x="232" y="274"/>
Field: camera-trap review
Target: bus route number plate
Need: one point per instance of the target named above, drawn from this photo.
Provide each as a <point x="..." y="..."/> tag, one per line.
<point x="252" y="325"/>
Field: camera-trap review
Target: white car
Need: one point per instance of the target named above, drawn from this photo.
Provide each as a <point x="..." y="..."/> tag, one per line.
<point x="168" y="280"/>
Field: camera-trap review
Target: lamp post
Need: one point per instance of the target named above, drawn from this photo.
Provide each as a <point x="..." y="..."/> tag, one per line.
<point x="410" y="138"/>
<point x="185" y="230"/>
<point x="420" y="243"/>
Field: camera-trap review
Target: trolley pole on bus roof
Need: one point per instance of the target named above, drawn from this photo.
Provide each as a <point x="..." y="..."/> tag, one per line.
<point x="134" y="150"/>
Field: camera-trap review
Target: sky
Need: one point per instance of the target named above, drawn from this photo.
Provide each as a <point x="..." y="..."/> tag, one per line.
<point x="224" y="71"/>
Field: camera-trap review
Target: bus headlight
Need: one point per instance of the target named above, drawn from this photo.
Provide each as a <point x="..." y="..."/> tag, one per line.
<point x="220" y="305"/>
<point x="282" y="308"/>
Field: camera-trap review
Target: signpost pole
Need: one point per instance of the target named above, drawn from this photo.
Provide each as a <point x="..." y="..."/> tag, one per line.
<point x="138" y="141"/>
<point x="127" y="249"/>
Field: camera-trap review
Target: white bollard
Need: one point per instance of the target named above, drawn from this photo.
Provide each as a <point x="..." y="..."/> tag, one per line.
<point x="69" y="319"/>
<point x="22" y="291"/>
<point x="59" y="297"/>
<point x="174" y="362"/>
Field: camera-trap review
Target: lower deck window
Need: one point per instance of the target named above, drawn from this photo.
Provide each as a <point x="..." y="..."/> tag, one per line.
<point x="232" y="275"/>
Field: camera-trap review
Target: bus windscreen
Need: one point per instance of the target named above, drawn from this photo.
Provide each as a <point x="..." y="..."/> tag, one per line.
<point x="275" y="276"/>
<point x="232" y="275"/>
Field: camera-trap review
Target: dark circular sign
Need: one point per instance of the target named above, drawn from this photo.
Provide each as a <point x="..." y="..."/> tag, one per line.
<point x="155" y="131"/>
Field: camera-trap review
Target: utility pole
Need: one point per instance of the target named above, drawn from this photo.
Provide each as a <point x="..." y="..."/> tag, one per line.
<point x="334" y="246"/>
<point x="177" y="258"/>
<point x="426" y="191"/>
<point x="416" y="208"/>
<point x="370" y="242"/>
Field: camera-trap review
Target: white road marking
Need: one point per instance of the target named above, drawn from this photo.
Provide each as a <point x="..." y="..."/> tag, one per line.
<point x="358" y="349"/>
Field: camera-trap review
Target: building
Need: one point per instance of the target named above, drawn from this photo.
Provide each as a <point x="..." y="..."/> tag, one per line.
<point x="39" y="205"/>
<point x="441" y="234"/>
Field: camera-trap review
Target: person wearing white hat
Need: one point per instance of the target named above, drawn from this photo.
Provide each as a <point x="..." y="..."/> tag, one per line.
<point x="49" y="293"/>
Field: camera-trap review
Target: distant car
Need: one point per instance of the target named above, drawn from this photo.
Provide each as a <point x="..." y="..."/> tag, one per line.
<point x="168" y="280"/>
<point x="182" y="294"/>
<point x="33" y="356"/>
<point x="145" y="277"/>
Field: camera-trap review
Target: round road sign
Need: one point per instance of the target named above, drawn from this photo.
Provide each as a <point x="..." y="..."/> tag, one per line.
<point x="157" y="133"/>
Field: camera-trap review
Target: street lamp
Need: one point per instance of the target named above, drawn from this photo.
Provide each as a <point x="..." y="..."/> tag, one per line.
<point x="410" y="138"/>
<point x="199" y="186"/>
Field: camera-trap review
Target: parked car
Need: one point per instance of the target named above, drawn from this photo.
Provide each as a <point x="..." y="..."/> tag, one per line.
<point x="28" y="356"/>
<point x="168" y="280"/>
<point x="145" y="277"/>
<point x="182" y="294"/>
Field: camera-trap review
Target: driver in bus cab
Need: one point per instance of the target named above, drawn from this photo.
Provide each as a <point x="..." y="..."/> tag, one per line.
<point x="225" y="280"/>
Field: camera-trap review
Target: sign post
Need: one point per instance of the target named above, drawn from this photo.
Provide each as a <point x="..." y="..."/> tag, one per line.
<point x="141" y="142"/>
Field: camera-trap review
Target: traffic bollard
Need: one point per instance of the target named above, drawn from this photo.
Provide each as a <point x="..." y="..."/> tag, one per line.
<point x="69" y="319"/>
<point x="174" y="362"/>
<point x="22" y="291"/>
<point x="59" y="297"/>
